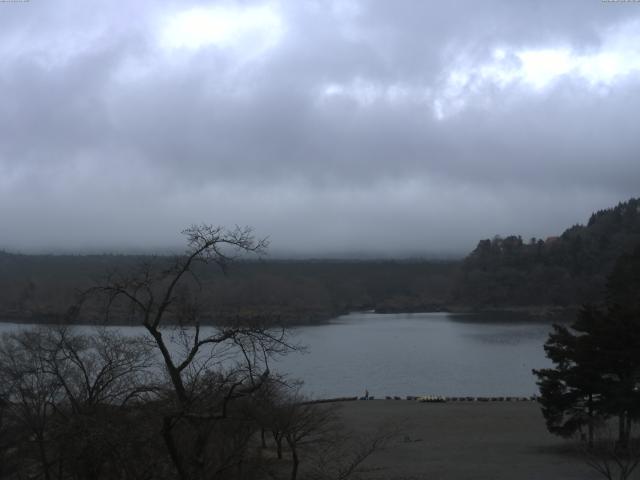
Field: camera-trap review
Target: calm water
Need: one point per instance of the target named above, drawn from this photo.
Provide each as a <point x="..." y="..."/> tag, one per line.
<point x="414" y="354"/>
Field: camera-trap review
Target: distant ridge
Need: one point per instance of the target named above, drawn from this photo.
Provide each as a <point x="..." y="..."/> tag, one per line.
<point x="533" y="276"/>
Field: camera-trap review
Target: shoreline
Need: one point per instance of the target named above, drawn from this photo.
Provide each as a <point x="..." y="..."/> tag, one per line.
<point x="545" y="314"/>
<point x="427" y="399"/>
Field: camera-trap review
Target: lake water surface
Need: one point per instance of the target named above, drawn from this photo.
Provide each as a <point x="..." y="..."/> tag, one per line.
<point x="414" y="354"/>
<point x="419" y="354"/>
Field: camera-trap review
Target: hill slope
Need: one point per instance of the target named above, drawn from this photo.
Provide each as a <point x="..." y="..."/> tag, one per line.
<point x="564" y="271"/>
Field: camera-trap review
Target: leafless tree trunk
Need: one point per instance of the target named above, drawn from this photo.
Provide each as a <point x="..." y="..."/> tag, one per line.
<point x="201" y="399"/>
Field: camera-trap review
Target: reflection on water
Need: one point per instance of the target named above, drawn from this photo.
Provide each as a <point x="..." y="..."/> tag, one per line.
<point x="413" y="354"/>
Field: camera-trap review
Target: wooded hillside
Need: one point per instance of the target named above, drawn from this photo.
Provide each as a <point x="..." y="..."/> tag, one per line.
<point x="566" y="270"/>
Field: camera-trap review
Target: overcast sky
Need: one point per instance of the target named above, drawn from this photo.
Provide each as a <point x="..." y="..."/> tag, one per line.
<point x="380" y="127"/>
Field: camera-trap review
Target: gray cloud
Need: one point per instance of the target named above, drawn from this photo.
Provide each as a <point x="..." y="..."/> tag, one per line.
<point x="391" y="128"/>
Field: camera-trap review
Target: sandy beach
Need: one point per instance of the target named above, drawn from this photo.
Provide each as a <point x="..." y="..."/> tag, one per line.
<point x="467" y="440"/>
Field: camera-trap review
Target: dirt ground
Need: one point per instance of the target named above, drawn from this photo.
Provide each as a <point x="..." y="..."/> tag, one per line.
<point x="468" y="440"/>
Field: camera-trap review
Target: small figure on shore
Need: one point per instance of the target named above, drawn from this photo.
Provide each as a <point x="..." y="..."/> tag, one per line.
<point x="366" y="394"/>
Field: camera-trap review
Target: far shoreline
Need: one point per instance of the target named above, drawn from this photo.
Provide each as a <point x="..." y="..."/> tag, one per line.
<point x="532" y="313"/>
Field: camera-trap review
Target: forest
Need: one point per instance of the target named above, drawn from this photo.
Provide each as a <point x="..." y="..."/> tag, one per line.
<point x="549" y="275"/>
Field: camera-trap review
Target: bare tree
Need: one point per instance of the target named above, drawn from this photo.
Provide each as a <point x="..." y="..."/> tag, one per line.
<point x="32" y="396"/>
<point x="103" y="368"/>
<point x="208" y="368"/>
<point x="342" y="455"/>
<point x="64" y="395"/>
<point x="610" y="458"/>
<point x="305" y="424"/>
<point x="308" y="436"/>
<point x="6" y="434"/>
<point x="89" y="406"/>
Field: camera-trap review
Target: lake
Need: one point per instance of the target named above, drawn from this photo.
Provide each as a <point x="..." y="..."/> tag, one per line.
<point x="414" y="354"/>
<point x="419" y="354"/>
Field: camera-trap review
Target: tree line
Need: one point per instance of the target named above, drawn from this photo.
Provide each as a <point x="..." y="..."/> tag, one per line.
<point x="567" y="270"/>
<point x="39" y="288"/>
<point x="563" y="271"/>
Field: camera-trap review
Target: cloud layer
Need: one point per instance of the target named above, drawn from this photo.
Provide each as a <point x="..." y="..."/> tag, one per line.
<point x="391" y="128"/>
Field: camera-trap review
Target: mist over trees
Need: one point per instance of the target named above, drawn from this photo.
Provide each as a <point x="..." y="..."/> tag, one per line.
<point x="40" y="288"/>
<point x="562" y="272"/>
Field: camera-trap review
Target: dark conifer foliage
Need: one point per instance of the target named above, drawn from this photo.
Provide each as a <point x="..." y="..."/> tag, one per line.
<point x="567" y="270"/>
<point x="596" y="372"/>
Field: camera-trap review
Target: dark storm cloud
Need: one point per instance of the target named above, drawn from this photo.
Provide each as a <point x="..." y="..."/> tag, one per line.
<point x="376" y="126"/>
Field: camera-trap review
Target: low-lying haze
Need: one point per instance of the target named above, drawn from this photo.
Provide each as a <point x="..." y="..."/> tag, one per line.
<point x="391" y="128"/>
